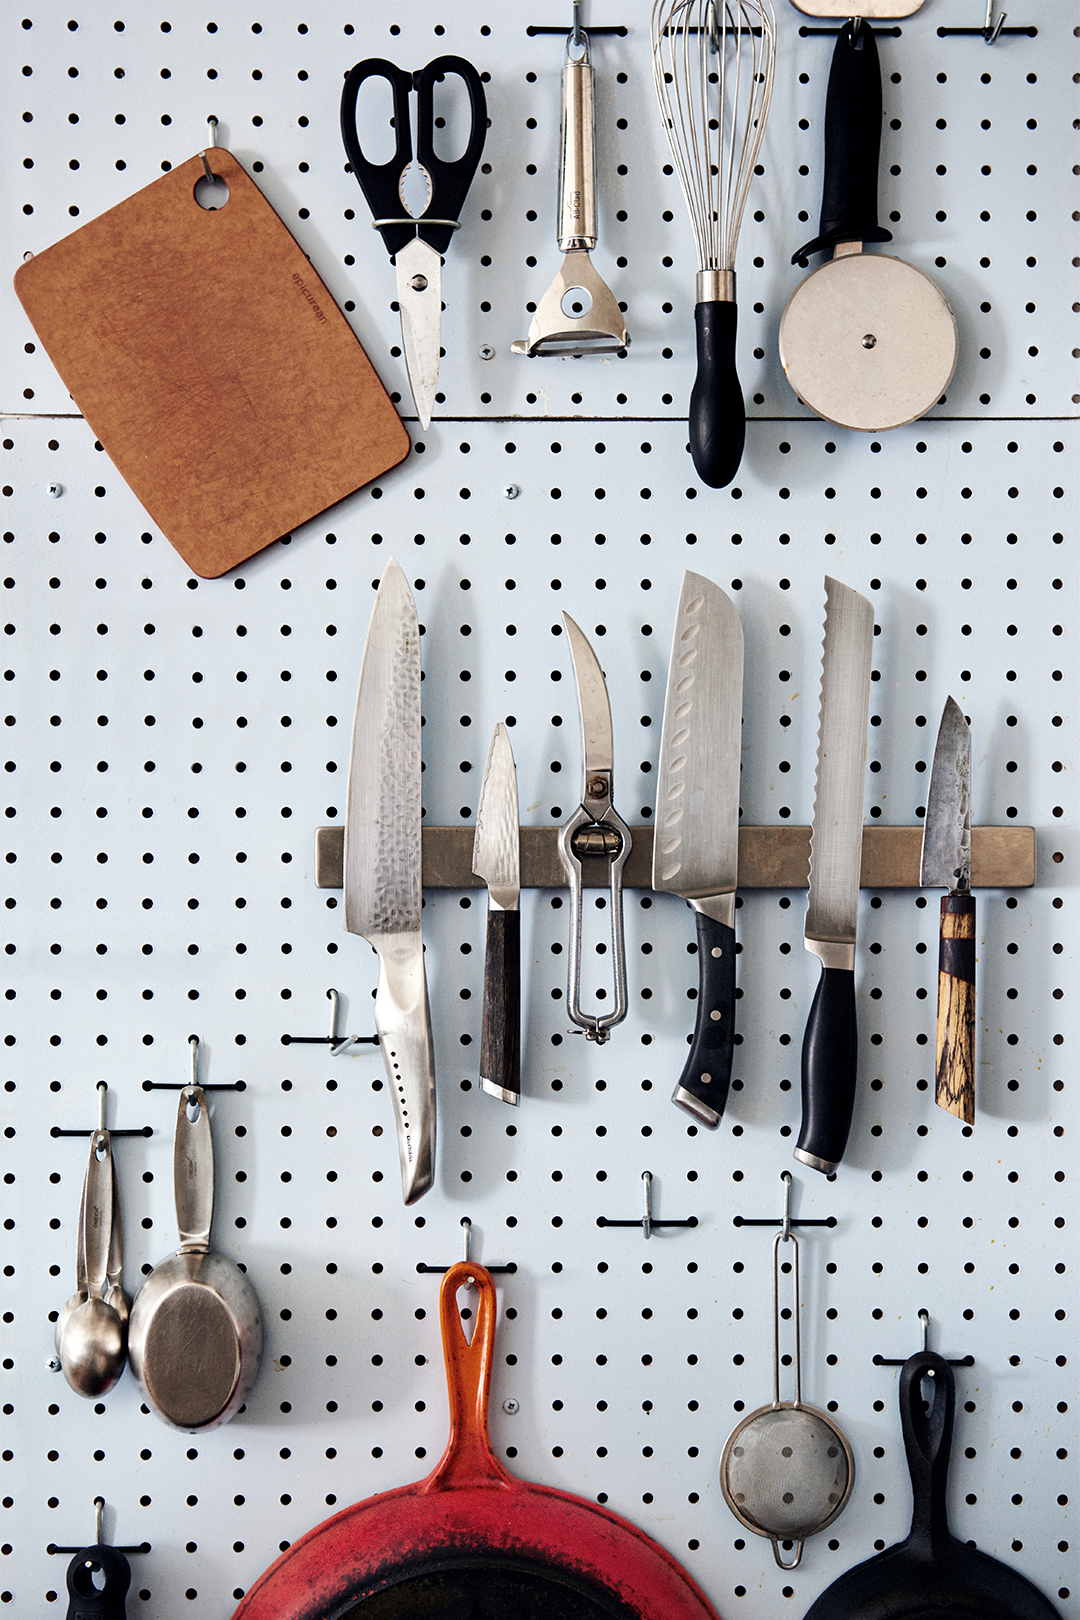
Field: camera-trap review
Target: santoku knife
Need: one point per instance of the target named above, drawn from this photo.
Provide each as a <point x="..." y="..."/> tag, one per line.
<point x="696" y="842"/>
<point x="830" y="1043"/>
<point x="382" y="866"/>
<point x="946" y="863"/>
<point x="497" y="859"/>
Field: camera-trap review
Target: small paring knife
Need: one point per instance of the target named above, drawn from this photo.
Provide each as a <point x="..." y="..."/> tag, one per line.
<point x="497" y="859"/>
<point x="696" y="844"/>
<point x="946" y="864"/>
<point x="830" y="1043"/>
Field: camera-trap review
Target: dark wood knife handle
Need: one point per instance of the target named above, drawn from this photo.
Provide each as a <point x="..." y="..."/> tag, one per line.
<point x="703" y="1086"/>
<point x="955" y="1086"/>
<point x="829" y="1066"/>
<point x="500" y="1037"/>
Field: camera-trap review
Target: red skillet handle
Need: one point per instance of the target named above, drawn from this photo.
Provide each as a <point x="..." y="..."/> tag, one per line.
<point x="468" y="1459"/>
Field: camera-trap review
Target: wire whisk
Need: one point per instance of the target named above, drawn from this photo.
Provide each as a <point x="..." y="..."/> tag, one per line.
<point x="713" y="72"/>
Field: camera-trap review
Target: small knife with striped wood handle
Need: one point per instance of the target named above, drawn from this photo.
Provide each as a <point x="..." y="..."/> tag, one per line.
<point x="946" y="863"/>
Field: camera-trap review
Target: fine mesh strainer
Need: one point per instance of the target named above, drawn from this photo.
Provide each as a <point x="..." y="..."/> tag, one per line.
<point x="787" y="1470"/>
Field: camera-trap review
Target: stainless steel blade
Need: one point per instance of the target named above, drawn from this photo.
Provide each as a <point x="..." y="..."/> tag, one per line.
<point x="496" y="845"/>
<point x="836" y="834"/>
<point x="382" y="816"/>
<point x="696" y="844"/>
<point x="946" y="845"/>
<point x="597" y="744"/>
<point x="419" y="290"/>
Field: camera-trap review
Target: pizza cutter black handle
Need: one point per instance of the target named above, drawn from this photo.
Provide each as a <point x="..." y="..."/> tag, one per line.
<point x="500" y="1033"/>
<point x="927" y="1439"/>
<point x="87" y="1600"/>
<point x="717" y="415"/>
<point x="852" y="144"/>
<point x="703" y="1085"/>
<point x="829" y="1065"/>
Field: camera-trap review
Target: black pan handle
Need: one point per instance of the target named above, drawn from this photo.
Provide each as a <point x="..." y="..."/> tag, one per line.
<point x="852" y="144"/>
<point x="89" y="1602"/>
<point x="717" y="414"/>
<point x="927" y="1439"/>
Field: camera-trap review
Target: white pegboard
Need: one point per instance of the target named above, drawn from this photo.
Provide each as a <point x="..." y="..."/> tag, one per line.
<point x="172" y="745"/>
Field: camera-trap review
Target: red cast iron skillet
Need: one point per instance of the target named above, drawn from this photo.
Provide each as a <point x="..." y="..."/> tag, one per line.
<point x="930" y="1575"/>
<point x="472" y="1539"/>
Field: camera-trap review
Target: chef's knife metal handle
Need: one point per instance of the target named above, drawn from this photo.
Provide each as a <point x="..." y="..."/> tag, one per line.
<point x="703" y="1085"/>
<point x="404" y="1027"/>
<point x="955" y="1084"/>
<point x="829" y="1063"/>
<point x="500" y="1035"/>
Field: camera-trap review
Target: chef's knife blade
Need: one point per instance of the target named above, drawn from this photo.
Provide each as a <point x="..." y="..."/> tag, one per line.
<point x="497" y="859"/>
<point x="946" y="863"/>
<point x="830" y="1043"/>
<point x="382" y="866"/>
<point x="696" y="843"/>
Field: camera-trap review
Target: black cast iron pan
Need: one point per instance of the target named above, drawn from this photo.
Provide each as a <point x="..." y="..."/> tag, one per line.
<point x="930" y="1575"/>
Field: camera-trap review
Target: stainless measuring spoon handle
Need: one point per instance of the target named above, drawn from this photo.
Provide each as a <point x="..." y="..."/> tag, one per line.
<point x="95" y="1222"/>
<point x="577" y="166"/>
<point x="193" y="1171"/>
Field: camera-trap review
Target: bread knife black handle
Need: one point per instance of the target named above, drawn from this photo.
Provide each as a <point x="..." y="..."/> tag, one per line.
<point x="500" y="1035"/>
<point x="849" y="200"/>
<point x="703" y="1085"/>
<point x="829" y="1064"/>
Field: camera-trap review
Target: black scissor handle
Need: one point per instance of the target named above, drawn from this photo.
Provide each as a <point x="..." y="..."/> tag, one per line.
<point x="379" y="181"/>
<point x="450" y="182"/>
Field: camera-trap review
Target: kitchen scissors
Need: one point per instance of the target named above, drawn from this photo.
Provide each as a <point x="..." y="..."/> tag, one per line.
<point x="594" y="829"/>
<point x="416" y="242"/>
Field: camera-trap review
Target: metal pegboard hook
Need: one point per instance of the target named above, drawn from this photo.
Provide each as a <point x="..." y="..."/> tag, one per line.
<point x="339" y="1044"/>
<point x="785" y="1223"/>
<point x="194" y="1046"/>
<point x="466" y="1255"/>
<point x="647" y="1221"/>
<point x="924" y="1337"/>
<point x="992" y="27"/>
<point x="99" y="1510"/>
<point x="101" y="1088"/>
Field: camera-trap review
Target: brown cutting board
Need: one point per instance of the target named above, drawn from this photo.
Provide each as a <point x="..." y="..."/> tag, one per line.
<point x="212" y="364"/>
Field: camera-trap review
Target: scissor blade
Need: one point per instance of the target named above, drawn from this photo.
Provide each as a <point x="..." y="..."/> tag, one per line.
<point x="597" y="743"/>
<point x="419" y="289"/>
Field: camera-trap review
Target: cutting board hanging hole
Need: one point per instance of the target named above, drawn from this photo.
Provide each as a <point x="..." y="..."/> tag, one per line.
<point x="211" y="192"/>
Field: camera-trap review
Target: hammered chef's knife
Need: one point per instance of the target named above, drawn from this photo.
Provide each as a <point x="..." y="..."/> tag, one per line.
<point x="696" y="843"/>
<point x="497" y="859"/>
<point x="830" y="1043"/>
<point x="946" y="864"/>
<point x="382" y="866"/>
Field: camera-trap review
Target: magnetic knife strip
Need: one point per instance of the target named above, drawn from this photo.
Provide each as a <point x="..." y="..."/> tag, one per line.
<point x="769" y="858"/>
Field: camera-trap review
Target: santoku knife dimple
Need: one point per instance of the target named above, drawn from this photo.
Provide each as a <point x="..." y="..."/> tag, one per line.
<point x="830" y="1043"/>
<point x="382" y="866"/>
<point x="946" y="863"/>
<point x="497" y="859"/>
<point x="696" y="843"/>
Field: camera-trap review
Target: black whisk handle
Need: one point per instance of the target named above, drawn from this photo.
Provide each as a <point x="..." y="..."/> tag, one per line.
<point x="717" y="415"/>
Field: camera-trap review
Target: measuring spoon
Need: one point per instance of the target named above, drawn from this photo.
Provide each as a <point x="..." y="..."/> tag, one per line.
<point x="92" y="1333"/>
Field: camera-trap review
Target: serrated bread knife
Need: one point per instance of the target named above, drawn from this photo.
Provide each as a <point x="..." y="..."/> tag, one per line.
<point x="696" y="842"/>
<point x="497" y="859"/>
<point x="382" y="866"/>
<point x="946" y="864"/>
<point x="830" y="1043"/>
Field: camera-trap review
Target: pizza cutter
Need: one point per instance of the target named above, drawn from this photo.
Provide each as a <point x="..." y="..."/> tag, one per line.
<point x="867" y="340"/>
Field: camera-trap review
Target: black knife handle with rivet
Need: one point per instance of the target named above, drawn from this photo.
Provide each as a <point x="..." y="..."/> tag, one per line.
<point x="955" y="1081"/>
<point x="703" y="1085"/>
<point x="829" y="1064"/>
<point x="500" y="1034"/>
